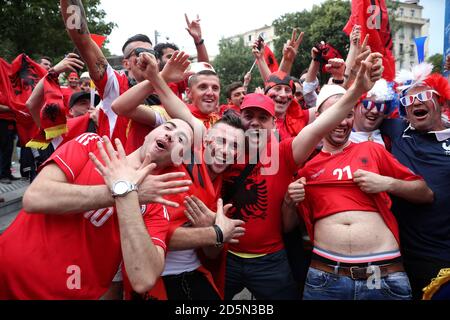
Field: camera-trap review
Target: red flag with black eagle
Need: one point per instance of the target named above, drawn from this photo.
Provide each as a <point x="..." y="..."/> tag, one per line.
<point x="372" y="16"/>
<point x="17" y="82"/>
<point x="270" y="59"/>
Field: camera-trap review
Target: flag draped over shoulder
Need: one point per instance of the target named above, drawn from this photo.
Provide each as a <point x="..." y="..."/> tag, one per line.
<point x="17" y="82"/>
<point x="372" y="16"/>
<point x="270" y="59"/>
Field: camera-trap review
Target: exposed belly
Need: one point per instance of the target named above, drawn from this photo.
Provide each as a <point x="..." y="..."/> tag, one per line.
<point x="354" y="233"/>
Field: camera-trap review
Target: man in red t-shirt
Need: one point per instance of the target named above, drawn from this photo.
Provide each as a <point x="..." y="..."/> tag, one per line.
<point x="348" y="218"/>
<point x="235" y="94"/>
<point x="185" y="275"/>
<point x="71" y="246"/>
<point x="257" y="189"/>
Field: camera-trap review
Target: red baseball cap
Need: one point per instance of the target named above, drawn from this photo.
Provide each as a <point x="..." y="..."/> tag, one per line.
<point x="257" y="100"/>
<point x="73" y="75"/>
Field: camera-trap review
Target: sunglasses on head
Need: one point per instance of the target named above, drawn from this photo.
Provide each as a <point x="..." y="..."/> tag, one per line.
<point x="382" y="107"/>
<point x="423" y="96"/>
<point x="138" y="51"/>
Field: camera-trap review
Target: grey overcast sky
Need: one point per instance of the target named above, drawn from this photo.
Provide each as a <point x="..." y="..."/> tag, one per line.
<point x="221" y="19"/>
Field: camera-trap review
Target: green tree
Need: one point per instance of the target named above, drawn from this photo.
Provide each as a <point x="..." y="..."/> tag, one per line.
<point x="233" y="62"/>
<point x="323" y="23"/>
<point x="36" y="27"/>
<point x="437" y="60"/>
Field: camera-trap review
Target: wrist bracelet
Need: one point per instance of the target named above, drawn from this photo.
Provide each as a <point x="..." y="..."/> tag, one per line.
<point x="199" y="43"/>
<point x="335" y="81"/>
<point x="219" y="235"/>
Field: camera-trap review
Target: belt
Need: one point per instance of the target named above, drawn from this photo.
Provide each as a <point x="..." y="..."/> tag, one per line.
<point x="358" y="273"/>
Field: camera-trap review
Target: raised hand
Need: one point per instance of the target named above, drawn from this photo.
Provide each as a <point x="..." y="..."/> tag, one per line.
<point x="258" y="53"/>
<point x="194" y="28"/>
<point x="198" y="213"/>
<point x="116" y="166"/>
<point x="147" y="66"/>
<point x="70" y="63"/>
<point x="296" y="191"/>
<point x="355" y="35"/>
<point x="231" y="228"/>
<point x="290" y="49"/>
<point x="371" y="71"/>
<point x="336" y="67"/>
<point x="370" y="182"/>
<point x="175" y="68"/>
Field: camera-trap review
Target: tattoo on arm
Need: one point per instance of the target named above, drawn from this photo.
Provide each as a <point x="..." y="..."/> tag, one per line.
<point x="101" y="66"/>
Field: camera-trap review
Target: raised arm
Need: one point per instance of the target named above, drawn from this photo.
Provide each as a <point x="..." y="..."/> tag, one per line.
<point x="143" y="260"/>
<point x="195" y="32"/>
<point x="173" y="105"/>
<point x="75" y="21"/>
<point x="36" y="100"/>
<point x="290" y="51"/>
<point x="68" y="198"/>
<point x="260" y="61"/>
<point x="129" y="104"/>
<point x="305" y="142"/>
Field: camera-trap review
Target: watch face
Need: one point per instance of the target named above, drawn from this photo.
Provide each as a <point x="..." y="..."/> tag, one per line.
<point x="120" y="187"/>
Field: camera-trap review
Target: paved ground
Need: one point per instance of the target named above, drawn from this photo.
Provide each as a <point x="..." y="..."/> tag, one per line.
<point x="12" y="193"/>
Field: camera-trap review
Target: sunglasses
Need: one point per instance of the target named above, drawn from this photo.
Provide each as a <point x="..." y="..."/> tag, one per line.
<point x="423" y="96"/>
<point x="138" y="51"/>
<point x="382" y="107"/>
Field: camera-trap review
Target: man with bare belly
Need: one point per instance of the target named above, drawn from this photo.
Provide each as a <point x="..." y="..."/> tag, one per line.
<point x="356" y="252"/>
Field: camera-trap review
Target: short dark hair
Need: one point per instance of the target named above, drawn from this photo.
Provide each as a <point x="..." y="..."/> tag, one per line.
<point x="46" y="58"/>
<point x="135" y="38"/>
<point x="231" y="87"/>
<point x="231" y="118"/>
<point x="159" y="48"/>
<point x="193" y="79"/>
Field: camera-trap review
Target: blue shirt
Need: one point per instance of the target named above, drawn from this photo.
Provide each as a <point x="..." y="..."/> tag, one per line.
<point x="424" y="229"/>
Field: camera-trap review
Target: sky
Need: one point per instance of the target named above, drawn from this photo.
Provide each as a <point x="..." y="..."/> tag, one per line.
<point x="221" y="19"/>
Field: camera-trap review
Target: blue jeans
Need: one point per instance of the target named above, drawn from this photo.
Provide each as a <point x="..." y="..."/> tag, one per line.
<point x="321" y="285"/>
<point x="267" y="278"/>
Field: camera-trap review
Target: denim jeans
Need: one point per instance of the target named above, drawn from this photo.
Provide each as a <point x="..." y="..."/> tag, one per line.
<point x="268" y="277"/>
<point x="321" y="285"/>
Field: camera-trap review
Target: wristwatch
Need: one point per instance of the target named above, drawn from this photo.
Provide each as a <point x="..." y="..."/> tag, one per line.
<point x="121" y="188"/>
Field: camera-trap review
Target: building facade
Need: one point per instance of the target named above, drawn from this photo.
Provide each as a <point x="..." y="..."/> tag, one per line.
<point x="412" y="25"/>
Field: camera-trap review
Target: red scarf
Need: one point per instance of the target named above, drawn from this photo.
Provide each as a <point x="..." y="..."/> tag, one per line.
<point x="295" y="119"/>
<point x="207" y="119"/>
<point x="53" y="115"/>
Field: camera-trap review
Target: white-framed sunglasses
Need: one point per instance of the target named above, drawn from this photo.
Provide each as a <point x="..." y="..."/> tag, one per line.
<point x="423" y="96"/>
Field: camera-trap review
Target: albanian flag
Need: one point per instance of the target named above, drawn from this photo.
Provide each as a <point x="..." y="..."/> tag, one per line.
<point x="270" y="59"/>
<point x="98" y="39"/>
<point x="53" y="114"/>
<point x="372" y="16"/>
<point x="17" y="82"/>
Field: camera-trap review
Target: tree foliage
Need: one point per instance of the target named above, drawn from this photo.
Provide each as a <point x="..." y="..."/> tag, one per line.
<point x="437" y="60"/>
<point x="233" y="62"/>
<point x="323" y="23"/>
<point x="36" y="27"/>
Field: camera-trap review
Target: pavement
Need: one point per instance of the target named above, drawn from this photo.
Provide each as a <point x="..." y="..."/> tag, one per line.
<point x="12" y="194"/>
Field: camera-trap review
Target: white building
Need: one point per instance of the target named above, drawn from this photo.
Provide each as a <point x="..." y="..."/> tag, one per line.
<point x="267" y="32"/>
<point x="409" y="14"/>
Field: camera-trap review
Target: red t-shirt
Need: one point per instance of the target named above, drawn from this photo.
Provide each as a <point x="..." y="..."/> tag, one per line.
<point x="258" y="201"/>
<point x="110" y="87"/>
<point x="330" y="188"/>
<point x="70" y="256"/>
